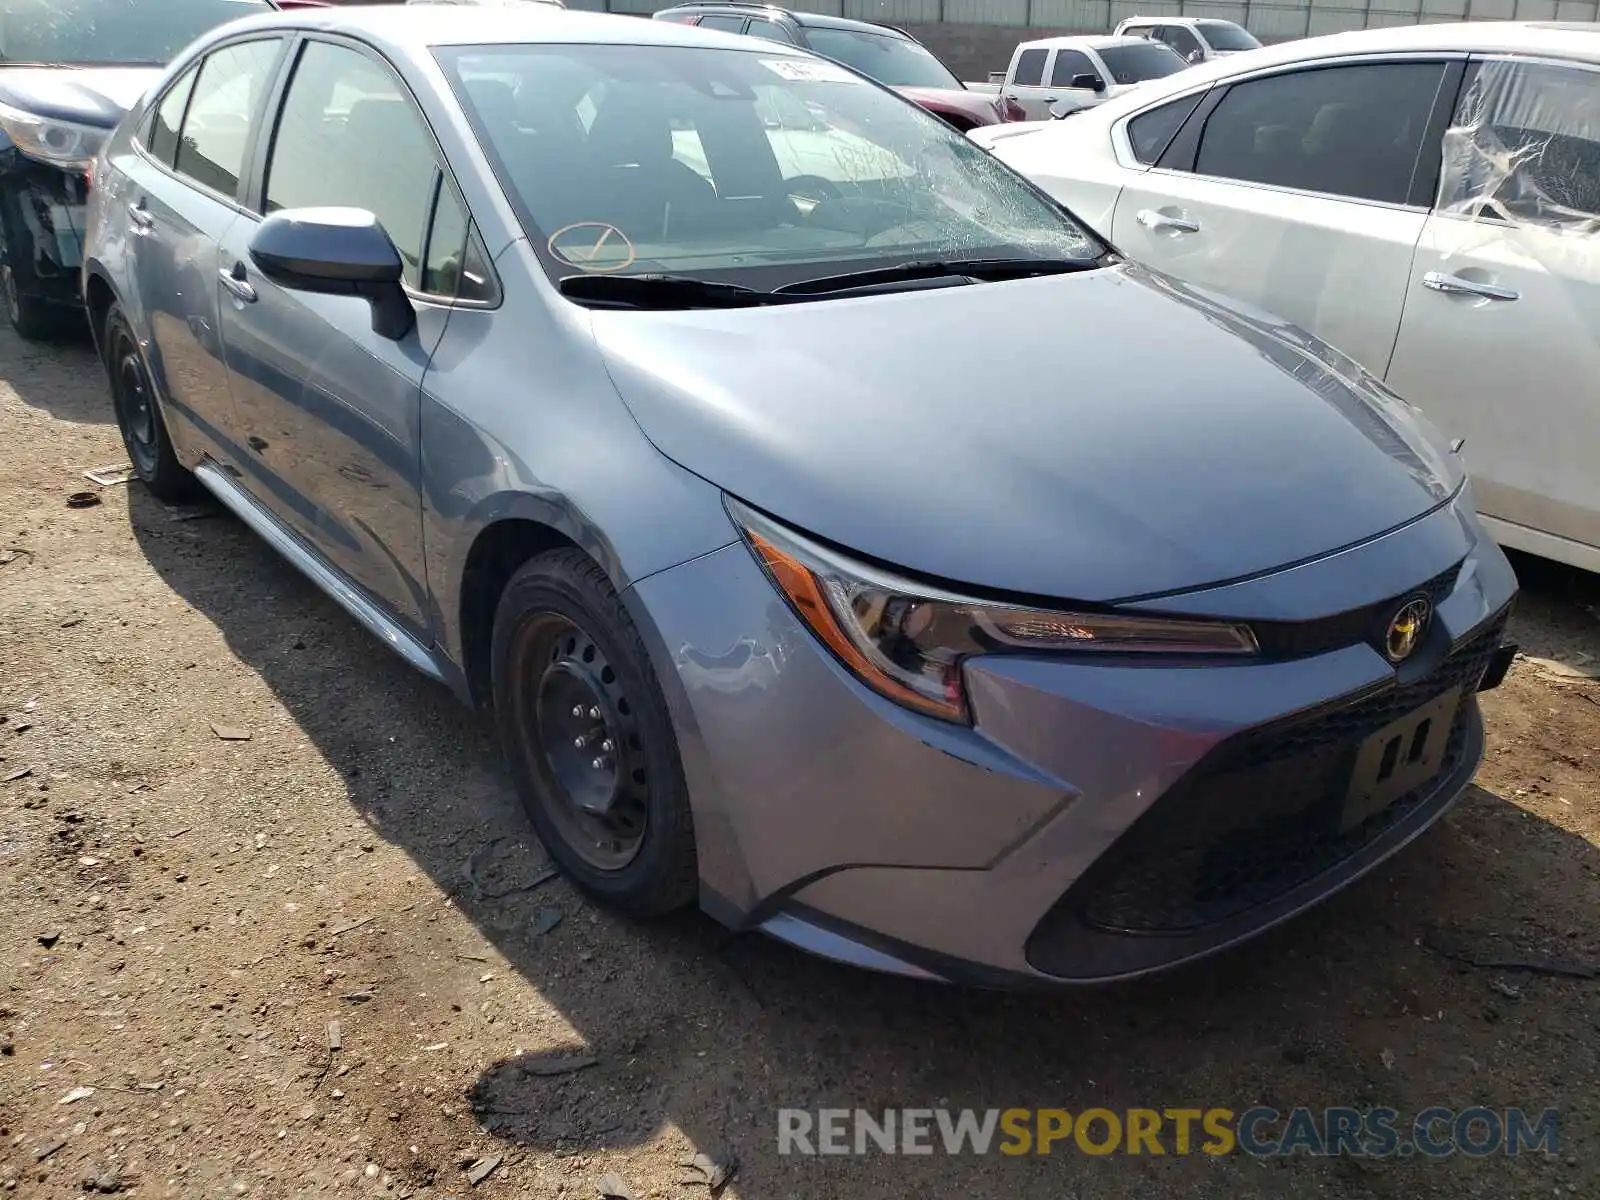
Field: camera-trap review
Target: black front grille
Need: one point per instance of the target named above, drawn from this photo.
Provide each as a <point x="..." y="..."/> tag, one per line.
<point x="1301" y="639"/>
<point x="1260" y="815"/>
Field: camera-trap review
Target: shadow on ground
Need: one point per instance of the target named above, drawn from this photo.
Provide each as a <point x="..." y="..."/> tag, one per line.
<point x="1360" y="1003"/>
<point x="49" y="375"/>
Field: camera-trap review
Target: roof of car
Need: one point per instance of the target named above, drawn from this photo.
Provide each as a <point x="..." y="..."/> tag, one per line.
<point x="1178" y="21"/>
<point x="1552" y="39"/>
<point x="410" y="28"/>
<point x="809" y="19"/>
<point x="1093" y="41"/>
<point x="1563" y="38"/>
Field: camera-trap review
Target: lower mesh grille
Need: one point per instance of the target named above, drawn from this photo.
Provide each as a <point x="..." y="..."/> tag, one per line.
<point x="1260" y="815"/>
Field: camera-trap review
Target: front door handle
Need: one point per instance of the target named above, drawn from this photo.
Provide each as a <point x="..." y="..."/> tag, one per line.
<point x="237" y="284"/>
<point x="140" y="215"/>
<point x="1454" y="285"/>
<point x="1155" y="221"/>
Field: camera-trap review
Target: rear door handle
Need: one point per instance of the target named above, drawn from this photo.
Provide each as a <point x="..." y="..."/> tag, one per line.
<point x="1454" y="285"/>
<point x="1153" y="220"/>
<point x="140" y="215"/>
<point x="235" y="282"/>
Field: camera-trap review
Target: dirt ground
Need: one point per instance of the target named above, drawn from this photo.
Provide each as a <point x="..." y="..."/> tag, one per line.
<point x="185" y="915"/>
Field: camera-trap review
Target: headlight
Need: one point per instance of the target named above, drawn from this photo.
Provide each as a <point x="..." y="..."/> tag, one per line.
<point x="907" y="641"/>
<point x="60" y="143"/>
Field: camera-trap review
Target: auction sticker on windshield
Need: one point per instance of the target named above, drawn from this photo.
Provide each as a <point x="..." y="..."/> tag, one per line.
<point x="805" y="70"/>
<point x="592" y="246"/>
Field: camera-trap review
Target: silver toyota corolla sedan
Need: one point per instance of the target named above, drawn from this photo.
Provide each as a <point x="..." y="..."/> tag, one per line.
<point x="842" y="536"/>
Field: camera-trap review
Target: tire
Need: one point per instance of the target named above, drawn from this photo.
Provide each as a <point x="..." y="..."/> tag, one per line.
<point x="144" y="430"/>
<point x="33" y="319"/>
<point x="581" y="718"/>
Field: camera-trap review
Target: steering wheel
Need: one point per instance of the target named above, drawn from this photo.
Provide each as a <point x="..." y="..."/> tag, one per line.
<point x="811" y="189"/>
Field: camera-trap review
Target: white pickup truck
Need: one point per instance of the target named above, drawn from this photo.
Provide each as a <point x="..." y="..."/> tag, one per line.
<point x="1052" y="77"/>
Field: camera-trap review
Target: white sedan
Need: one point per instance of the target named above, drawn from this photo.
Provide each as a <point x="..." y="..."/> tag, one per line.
<point x="1426" y="199"/>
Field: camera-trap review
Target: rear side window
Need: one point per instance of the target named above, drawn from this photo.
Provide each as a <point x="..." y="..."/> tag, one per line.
<point x="1030" y="68"/>
<point x="167" y="121"/>
<point x="1347" y="131"/>
<point x="217" y="125"/>
<point x="1150" y="133"/>
<point x="350" y="136"/>
<point x="1068" y="65"/>
<point x="726" y="24"/>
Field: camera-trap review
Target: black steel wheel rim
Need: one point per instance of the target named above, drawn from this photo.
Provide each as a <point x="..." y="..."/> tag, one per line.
<point x="136" y="407"/>
<point x="581" y="738"/>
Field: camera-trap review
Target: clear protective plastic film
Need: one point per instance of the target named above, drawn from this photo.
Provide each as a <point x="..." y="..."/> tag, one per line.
<point x="1524" y="150"/>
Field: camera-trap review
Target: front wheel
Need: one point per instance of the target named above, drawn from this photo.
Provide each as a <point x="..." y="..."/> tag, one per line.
<point x="144" y="431"/>
<point x="32" y="318"/>
<point x="588" y="739"/>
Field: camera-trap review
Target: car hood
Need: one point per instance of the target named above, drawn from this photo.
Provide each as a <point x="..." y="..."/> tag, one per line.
<point x="978" y="105"/>
<point x="97" y="96"/>
<point x="1102" y="436"/>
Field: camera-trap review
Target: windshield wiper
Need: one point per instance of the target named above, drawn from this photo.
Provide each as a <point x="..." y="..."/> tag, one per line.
<point x="662" y="291"/>
<point x="988" y="269"/>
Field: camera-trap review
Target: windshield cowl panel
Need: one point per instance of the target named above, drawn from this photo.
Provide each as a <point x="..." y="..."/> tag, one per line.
<point x="96" y="33"/>
<point x="749" y="168"/>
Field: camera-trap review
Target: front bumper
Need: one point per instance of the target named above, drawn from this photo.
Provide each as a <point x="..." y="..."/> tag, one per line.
<point x="43" y="212"/>
<point x="1099" y="820"/>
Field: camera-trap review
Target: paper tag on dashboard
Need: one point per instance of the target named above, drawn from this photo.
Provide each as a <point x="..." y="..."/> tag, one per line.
<point x="806" y="70"/>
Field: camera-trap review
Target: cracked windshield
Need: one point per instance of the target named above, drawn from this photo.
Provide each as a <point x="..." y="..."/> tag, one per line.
<point x="741" y="167"/>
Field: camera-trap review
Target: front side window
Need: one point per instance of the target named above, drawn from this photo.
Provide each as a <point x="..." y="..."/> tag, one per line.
<point x="456" y="266"/>
<point x="1348" y="131"/>
<point x="167" y="121"/>
<point x="216" y="128"/>
<point x="349" y="136"/>
<point x="1226" y="36"/>
<point x="1030" y="68"/>
<point x="1068" y="66"/>
<point x="742" y="166"/>
<point x="892" y="61"/>
<point x="1135" y="64"/>
<point x="1524" y="145"/>
<point x="110" y="32"/>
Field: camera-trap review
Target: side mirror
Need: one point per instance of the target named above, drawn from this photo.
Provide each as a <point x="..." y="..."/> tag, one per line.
<point x="336" y="252"/>
<point x="1197" y="55"/>
<point x="1089" y="83"/>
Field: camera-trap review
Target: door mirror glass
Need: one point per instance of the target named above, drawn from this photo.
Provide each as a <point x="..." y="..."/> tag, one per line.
<point x="336" y="252"/>
<point x="1089" y="83"/>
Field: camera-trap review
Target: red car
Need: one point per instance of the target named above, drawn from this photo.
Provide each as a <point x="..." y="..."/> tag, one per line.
<point x="891" y="56"/>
